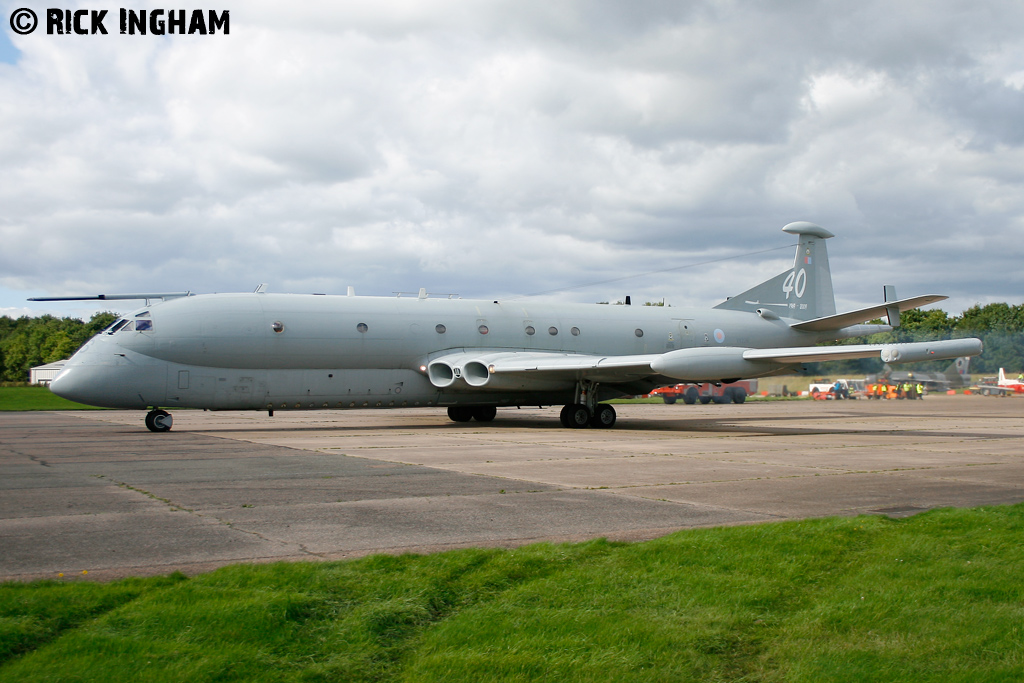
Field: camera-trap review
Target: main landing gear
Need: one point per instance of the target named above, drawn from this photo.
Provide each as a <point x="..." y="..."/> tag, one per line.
<point x="159" y="420"/>
<point x="578" y="416"/>
<point x="587" y="412"/>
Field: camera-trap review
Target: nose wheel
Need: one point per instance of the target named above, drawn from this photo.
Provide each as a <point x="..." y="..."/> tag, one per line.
<point x="159" y="421"/>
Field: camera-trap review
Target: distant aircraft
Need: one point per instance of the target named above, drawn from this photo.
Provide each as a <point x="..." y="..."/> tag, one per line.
<point x="1016" y="384"/>
<point x="262" y="351"/>
<point x="955" y="376"/>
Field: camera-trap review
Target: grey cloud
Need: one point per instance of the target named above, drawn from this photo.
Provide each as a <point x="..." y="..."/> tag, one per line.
<point x="507" y="148"/>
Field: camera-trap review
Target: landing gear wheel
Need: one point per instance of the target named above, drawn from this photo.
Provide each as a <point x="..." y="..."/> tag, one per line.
<point x="484" y="413"/>
<point x="460" y="413"/>
<point x="159" y="421"/>
<point x="604" y="417"/>
<point x="575" y="416"/>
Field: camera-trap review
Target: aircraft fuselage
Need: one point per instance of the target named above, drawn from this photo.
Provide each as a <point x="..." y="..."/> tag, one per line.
<point x="290" y="351"/>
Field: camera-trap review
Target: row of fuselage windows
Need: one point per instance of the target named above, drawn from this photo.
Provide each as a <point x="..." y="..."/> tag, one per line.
<point x="483" y="329"/>
<point x="146" y="325"/>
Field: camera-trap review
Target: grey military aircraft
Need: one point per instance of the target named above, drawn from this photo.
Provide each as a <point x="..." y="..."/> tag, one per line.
<point x="264" y="351"/>
<point x="956" y="376"/>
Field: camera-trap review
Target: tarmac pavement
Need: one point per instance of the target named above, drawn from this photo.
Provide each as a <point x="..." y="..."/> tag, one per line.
<point x="95" y="492"/>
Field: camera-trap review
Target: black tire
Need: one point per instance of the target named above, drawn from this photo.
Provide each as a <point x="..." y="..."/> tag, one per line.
<point x="159" y="421"/>
<point x="704" y="399"/>
<point x="604" y="416"/>
<point x="690" y="396"/>
<point x="669" y="399"/>
<point x="460" y="413"/>
<point x="739" y="395"/>
<point x="724" y="398"/>
<point x="575" y="416"/>
<point x="484" y="413"/>
<point x="563" y="416"/>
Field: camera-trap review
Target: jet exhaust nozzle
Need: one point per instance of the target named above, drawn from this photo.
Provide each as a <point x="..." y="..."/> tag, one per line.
<point x="445" y="373"/>
<point x="442" y="375"/>
<point x="475" y="373"/>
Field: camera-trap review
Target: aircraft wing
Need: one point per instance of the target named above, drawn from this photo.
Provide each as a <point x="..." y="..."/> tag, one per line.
<point x="523" y="370"/>
<point x="595" y="368"/>
<point x="890" y="353"/>
<point x="841" y="320"/>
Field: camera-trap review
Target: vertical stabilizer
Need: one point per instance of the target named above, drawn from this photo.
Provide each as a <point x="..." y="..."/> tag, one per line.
<point x="803" y="292"/>
<point x="958" y="370"/>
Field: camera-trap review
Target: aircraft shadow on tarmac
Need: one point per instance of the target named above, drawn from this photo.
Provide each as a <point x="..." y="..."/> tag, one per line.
<point x="726" y="425"/>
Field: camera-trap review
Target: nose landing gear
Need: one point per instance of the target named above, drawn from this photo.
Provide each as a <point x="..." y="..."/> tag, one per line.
<point x="159" y="420"/>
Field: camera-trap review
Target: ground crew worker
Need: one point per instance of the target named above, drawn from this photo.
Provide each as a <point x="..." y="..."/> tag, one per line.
<point x="920" y="390"/>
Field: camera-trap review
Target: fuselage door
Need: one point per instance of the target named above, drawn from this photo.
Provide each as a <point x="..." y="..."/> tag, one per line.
<point x="683" y="336"/>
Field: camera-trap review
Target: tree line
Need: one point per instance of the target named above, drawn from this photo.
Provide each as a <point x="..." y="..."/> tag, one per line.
<point x="1000" y="327"/>
<point x="27" y="342"/>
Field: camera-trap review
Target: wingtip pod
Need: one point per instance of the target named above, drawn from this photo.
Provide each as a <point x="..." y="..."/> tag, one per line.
<point x="920" y="351"/>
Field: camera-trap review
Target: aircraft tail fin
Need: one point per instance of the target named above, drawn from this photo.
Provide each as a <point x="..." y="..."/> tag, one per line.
<point x="958" y="370"/>
<point x="803" y="292"/>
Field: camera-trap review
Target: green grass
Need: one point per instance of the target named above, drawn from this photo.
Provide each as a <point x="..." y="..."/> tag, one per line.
<point x="36" y="398"/>
<point x="936" y="597"/>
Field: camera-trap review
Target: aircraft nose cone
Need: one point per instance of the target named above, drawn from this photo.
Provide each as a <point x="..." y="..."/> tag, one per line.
<point x="129" y="385"/>
<point x="68" y="384"/>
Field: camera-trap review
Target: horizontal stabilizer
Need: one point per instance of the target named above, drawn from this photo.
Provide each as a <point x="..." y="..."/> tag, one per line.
<point x="841" y="320"/>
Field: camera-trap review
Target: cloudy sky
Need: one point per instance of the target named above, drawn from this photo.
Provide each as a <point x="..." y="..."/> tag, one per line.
<point x="505" y="148"/>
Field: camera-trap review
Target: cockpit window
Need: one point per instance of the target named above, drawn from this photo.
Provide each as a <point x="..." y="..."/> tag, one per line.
<point x="144" y="314"/>
<point x="116" y="326"/>
<point x="124" y="325"/>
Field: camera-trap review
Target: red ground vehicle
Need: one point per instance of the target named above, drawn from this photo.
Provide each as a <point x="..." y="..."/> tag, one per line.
<point x="736" y="392"/>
